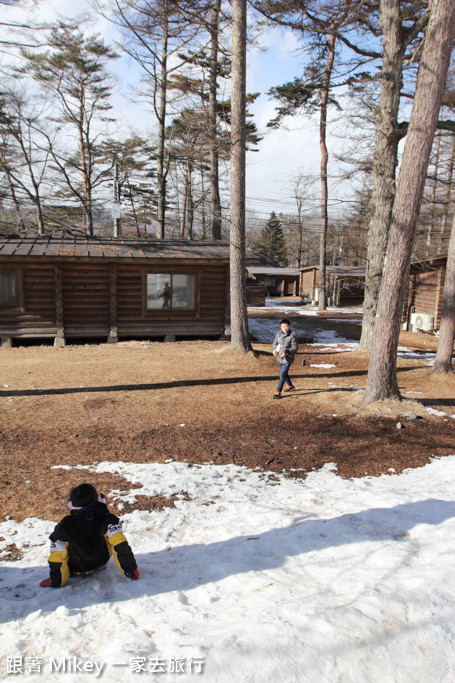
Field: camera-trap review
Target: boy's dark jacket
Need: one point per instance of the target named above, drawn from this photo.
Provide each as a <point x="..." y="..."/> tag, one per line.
<point x="83" y="542"/>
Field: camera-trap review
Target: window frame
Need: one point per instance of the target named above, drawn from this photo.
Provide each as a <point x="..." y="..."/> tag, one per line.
<point x="18" y="287"/>
<point x="171" y="312"/>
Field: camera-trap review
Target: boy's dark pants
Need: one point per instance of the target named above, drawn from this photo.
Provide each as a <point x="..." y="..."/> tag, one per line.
<point x="284" y="377"/>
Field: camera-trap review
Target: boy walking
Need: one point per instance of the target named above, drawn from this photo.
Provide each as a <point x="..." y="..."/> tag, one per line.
<point x="284" y="349"/>
<point x="83" y="541"/>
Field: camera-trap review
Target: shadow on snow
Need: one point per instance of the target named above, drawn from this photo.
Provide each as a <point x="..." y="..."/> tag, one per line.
<point x="184" y="567"/>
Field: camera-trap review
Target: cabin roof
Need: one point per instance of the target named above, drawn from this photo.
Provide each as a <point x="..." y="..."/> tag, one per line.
<point x="268" y="270"/>
<point x="429" y="260"/>
<point x="339" y="271"/>
<point x="111" y="248"/>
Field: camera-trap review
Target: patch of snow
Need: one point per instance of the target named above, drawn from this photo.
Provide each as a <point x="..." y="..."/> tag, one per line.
<point x="428" y="356"/>
<point x="264" y="330"/>
<point x="350" y="580"/>
<point x="439" y="413"/>
<point x="346" y="320"/>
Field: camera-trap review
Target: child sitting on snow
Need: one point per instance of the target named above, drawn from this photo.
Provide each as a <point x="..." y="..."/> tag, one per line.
<point x="83" y="541"/>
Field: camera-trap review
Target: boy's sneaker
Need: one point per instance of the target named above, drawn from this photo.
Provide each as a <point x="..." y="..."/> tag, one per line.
<point x="277" y="394"/>
<point x="291" y="387"/>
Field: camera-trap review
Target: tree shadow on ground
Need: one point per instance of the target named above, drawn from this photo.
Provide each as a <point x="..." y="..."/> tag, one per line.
<point x="178" y="383"/>
<point x="437" y="401"/>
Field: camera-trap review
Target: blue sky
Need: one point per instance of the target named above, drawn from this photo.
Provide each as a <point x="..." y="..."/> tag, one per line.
<point x="283" y="153"/>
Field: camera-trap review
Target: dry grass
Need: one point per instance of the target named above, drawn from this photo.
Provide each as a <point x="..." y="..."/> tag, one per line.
<point x="200" y="402"/>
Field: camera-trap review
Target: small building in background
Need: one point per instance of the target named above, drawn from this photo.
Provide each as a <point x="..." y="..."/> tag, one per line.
<point x="276" y="281"/>
<point x="345" y="285"/>
<point x="65" y="287"/>
<point x="423" y="303"/>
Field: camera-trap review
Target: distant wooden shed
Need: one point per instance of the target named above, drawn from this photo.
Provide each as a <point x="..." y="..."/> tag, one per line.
<point x="277" y="281"/>
<point x="345" y="285"/>
<point x="423" y="303"/>
<point x="81" y="287"/>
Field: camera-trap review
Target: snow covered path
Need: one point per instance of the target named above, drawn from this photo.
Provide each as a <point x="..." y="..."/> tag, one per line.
<point x="251" y="580"/>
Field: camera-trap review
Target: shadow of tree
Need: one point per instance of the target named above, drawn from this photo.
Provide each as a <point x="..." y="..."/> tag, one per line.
<point x="178" y="383"/>
<point x="437" y="401"/>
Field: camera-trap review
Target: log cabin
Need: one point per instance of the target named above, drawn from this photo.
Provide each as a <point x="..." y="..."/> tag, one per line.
<point x="345" y="285"/>
<point x="422" y="308"/>
<point x="65" y="287"/>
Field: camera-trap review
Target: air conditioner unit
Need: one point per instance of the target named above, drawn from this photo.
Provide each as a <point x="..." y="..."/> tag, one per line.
<point x="422" y="321"/>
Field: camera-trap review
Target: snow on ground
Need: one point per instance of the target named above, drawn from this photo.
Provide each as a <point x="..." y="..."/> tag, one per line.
<point x="426" y="356"/>
<point x="439" y="413"/>
<point x="264" y="330"/>
<point x="249" y="579"/>
<point x="278" y="306"/>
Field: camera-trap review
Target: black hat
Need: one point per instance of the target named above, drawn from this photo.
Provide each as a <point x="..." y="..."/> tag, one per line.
<point x="83" y="495"/>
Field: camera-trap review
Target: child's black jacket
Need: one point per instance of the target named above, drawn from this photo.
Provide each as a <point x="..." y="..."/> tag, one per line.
<point x="83" y="542"/>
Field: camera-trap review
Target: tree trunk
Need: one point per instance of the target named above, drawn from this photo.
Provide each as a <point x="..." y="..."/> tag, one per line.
<point x="17" y="209"/>
<point x="382" y="380"/>
<point x="434" y="190"/>
<point x="448" y="196"/>
<point x="385" y="162"/>
<point x="203" y="216"/>
<point x="300" y="233"/>
<point x="214" y="156"/>
<point x="160" y="165"/>
<point x="87" y="199"/>
<point x="116" y="204"/>
<point x="239" y="320"/>
<point x="35" y="195"/>
<point x="190" y="203"/>
<point x="184" y="204"/>
<point x="39" y="218"/>
<point x="443" y="360"/>
<point x="324" y="164"/>
<point x="133" y="210"/>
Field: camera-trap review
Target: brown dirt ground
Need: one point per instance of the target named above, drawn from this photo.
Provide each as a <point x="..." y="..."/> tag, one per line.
<point x="200" y="401"/>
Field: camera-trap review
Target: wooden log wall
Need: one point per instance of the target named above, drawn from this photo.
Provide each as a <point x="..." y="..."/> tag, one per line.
<point x="134" y="320"/>
<point x="37" y="317"/>
<point x="307" y="283"/>
<point x="75" y="299"/>
<point x="86" y="302"/>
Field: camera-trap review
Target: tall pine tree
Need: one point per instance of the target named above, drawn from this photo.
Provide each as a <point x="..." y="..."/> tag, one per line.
<point x="271" y="242"/>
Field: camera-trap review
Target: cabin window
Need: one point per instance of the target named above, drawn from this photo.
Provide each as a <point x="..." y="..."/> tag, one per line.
<point x="8" y="288"/>
<point x="166" y="291"/>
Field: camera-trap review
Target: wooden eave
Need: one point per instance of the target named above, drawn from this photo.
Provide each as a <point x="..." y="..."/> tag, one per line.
<point x="430" y="259"/>
<point x="142" y="262"/>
